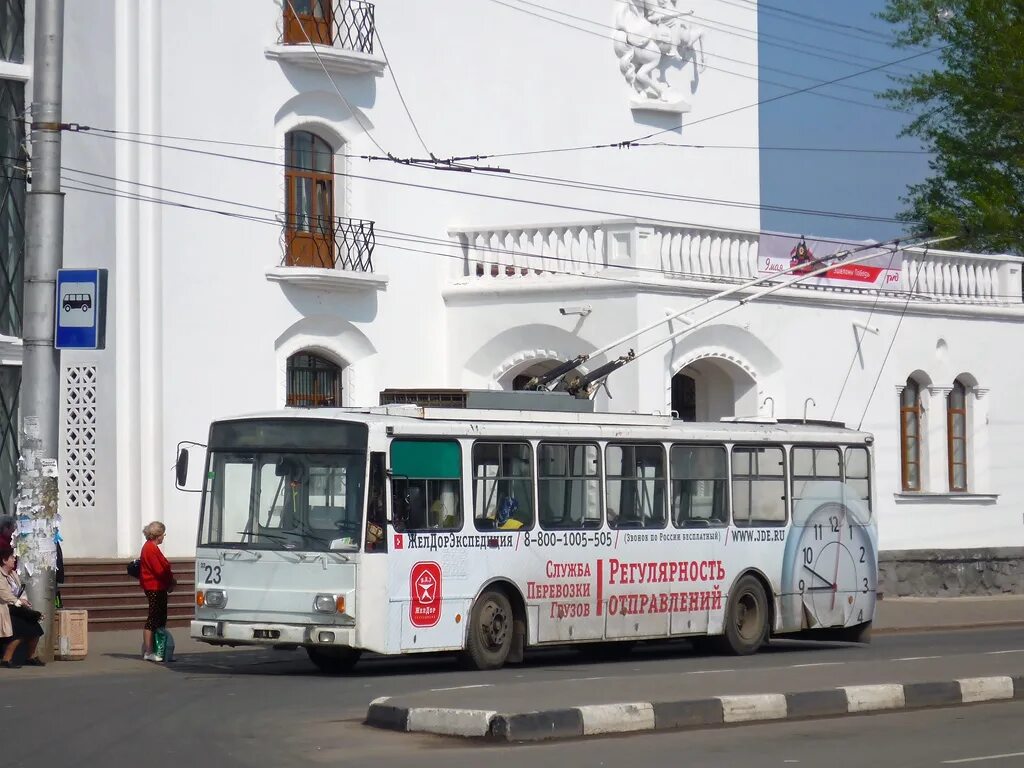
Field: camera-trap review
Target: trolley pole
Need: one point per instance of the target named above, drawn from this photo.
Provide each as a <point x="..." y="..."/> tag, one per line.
<point x="40" y="384"/>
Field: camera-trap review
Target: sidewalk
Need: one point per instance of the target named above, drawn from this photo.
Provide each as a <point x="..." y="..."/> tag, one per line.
<point x="908" y="614"/>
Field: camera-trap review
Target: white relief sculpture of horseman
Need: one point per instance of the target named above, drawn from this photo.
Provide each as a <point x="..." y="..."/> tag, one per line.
<point x="648" y="32"/>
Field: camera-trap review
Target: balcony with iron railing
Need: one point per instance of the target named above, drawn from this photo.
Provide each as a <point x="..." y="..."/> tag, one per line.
<point x="670" y="254"/>
<point x="327" y="253"/>
<point x="335" y="34"/>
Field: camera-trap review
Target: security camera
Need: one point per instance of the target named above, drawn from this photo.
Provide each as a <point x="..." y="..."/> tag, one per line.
<point x="583" y="310"/>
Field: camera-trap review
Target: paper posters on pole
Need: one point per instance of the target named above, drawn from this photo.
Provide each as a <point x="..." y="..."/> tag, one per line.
<point x="777" y="253"/>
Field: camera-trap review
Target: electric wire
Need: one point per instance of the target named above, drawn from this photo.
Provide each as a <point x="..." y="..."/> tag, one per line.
<point x="334" y="85"/>
<point x="785" y="43"/>
<point x="856" y="350"/>
<point x="762" y="80"/>
<point x="772" y="99"/>
<point x="757" y="65"/>
<point x="892" y="342"/>
<point x="279" y="217"/>
<point x="433" y="187"/>
<point x="815" y="22"/>
<point x="394" y="79"/>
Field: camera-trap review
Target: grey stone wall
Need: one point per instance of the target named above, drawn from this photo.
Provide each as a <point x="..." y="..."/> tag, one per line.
<point x="951" y="572"/>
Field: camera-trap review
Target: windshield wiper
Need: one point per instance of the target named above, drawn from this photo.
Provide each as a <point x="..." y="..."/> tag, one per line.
<point x="271" y="536"/>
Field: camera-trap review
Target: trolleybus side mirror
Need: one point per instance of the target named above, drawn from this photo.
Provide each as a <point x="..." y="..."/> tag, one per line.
<point x="181" y="467"/>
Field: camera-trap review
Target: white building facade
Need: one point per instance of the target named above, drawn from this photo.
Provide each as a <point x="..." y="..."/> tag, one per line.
<point x="259" y="258"/>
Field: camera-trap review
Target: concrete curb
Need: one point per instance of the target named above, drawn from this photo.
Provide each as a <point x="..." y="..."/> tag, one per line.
<point x="601" y="719"/>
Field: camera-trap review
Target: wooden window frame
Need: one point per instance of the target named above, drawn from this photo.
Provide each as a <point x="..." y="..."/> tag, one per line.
<point x="310" y="247"/>
<point x="952" y="438"/>
<point x="913" y="412"/>
<point x="305" y="28"/>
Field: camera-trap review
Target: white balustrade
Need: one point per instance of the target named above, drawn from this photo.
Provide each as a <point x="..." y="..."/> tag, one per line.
<point x="661" y="251"/>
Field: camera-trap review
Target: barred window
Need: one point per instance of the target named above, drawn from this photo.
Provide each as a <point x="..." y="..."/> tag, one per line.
<point x="313" y="382"/>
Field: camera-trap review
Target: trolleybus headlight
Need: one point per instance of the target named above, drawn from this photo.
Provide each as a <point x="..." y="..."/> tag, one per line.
<point x="327" y="604"/>
<point x="215" y="598"/>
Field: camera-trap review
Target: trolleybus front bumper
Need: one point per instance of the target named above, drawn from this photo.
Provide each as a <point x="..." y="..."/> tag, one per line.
<point x="266" y="634"/>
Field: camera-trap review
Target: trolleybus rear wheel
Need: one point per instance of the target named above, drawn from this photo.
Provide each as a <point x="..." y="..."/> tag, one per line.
<point x="489" y="635"/>
<point x="746" y="617"/>
<point x="334" y="661"/>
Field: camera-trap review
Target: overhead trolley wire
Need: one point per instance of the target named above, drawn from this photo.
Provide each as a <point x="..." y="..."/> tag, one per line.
<point x="551" y="181"/>
<point x="708" y="66"/>
<point x="757" y="65"/>
<point x="280" y="216"/>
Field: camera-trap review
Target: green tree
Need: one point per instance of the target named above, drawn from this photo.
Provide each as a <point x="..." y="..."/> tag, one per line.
<point x="971" y="115"/>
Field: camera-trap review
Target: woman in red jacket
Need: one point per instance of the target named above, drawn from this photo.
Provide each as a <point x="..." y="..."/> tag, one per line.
<point x="157" y="580"/>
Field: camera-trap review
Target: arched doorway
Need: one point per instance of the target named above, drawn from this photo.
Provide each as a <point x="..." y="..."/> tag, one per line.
<point x="712" y="388"/>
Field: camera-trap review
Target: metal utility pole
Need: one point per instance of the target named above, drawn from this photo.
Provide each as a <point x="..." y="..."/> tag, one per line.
<point x="40" y="372"/>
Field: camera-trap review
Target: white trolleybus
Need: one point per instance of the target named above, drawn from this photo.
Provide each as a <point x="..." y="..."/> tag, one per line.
<point x="487" y="523"/>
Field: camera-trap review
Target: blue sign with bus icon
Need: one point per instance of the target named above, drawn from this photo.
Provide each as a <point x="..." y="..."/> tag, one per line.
<point x="80" y="317"/>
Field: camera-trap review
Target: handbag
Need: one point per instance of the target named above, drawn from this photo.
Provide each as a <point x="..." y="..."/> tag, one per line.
<point x="25" y="612"/>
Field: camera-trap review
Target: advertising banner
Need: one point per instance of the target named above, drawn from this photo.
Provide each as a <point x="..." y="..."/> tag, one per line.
<point x="777" y="253"/>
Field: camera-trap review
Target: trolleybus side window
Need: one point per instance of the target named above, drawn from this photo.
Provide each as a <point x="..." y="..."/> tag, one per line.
<point x="502" y="485"/>
<point x="635" y="486"/>
<point x="858" y="474"/>
<point x="376" y="505"/>
<point x="427" y="484"/>
<point x="758" y="485"/>
<point x="700" y="481"/>
<point x="812" y="464"/>
<point x="569" y="485"/>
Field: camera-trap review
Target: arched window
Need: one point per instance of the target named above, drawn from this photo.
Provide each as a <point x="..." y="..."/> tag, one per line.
<point x="956" y="431"/>
<point x="309" y="200"/>
<point x="910" y="435"/>
<point x="313" y="382"/>
<point x="307" y="21"/>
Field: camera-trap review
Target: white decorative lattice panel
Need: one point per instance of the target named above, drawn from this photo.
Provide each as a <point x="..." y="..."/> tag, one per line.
<point x="80" y="436"/>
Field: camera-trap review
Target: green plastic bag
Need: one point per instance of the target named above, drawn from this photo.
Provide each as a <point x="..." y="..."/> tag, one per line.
<point x="159" y="643"/>
<point x="163" y="644"/>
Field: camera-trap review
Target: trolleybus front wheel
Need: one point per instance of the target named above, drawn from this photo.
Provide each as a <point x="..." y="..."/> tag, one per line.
<point x="489" y="635"/>
<point x="746" y="617"/>
<point x="333" y="661"/>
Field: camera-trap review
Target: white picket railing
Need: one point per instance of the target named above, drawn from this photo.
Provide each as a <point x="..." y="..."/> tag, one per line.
<point x="661" y="251"/>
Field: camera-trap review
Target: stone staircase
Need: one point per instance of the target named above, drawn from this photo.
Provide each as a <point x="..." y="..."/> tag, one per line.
<point x="115" y="600"/>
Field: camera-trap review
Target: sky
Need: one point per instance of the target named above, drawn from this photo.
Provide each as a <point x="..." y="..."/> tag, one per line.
<point x="839" y="182"/>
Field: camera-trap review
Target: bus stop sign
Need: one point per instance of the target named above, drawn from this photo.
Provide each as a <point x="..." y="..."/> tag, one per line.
<point x="81" y="315"/>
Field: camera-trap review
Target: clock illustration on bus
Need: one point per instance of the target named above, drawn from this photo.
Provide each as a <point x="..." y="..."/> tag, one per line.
<point x="831" y="562"/>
